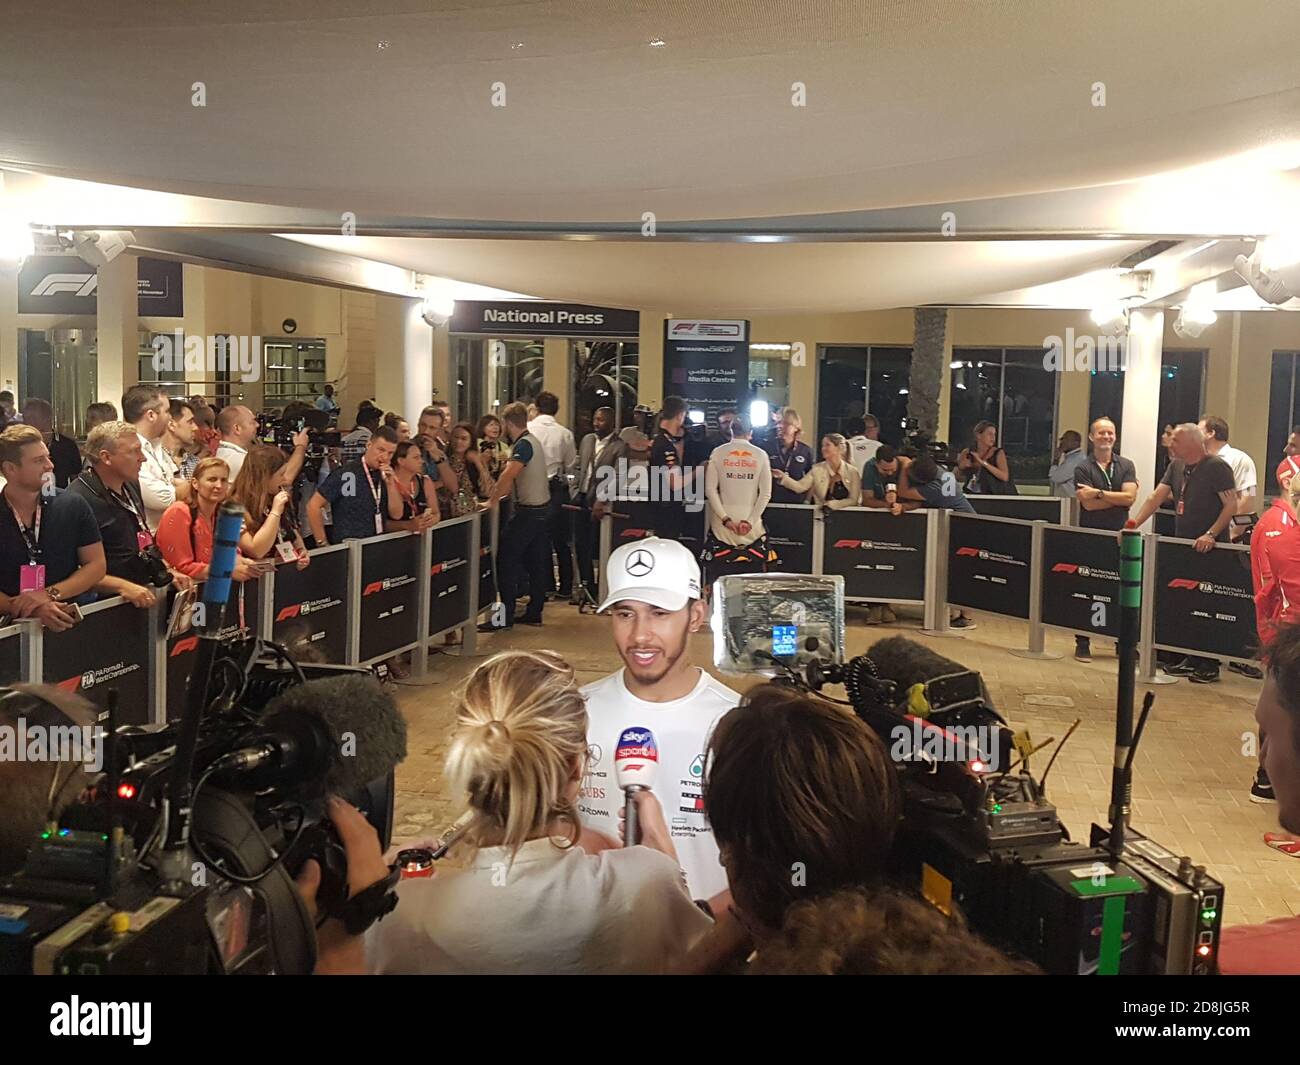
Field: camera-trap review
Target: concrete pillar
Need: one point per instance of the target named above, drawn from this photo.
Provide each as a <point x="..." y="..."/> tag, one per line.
<point x="403" y="357"/>
<point x="117" y="327"/>
<point x="442" y="385"/>
<point x="1146" y="333"/>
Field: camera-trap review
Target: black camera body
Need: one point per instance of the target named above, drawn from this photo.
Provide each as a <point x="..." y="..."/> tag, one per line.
<point x="920" y="442"/>
<point x="231" y="905"/>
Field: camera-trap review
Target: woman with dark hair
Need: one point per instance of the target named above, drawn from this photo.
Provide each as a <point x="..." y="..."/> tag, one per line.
<point x="984" y="467"/>
<point x="410" y="490"/>
<point x="269" y="519"/>
<point x="473" y="480"/>
<point x="804" y="803"/>
<point x="492" y="444"/>
<point x="398" y="424"/>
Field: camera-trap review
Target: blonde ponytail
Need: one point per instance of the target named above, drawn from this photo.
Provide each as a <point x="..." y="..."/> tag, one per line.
<point x="521" y="725"/>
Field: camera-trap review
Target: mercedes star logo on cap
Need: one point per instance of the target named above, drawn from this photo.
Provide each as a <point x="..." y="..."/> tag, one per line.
<point x="640" y="562"/>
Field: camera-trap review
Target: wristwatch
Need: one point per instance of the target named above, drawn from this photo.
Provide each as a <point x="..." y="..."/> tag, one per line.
<point x="53" y="592"/>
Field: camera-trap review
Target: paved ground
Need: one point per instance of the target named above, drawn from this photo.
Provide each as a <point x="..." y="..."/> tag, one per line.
<point x="1191" y="790"/>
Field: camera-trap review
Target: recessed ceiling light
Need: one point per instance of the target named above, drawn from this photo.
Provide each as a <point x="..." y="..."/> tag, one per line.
<point x="383" y="45"/>
<point x="657" y="42"/>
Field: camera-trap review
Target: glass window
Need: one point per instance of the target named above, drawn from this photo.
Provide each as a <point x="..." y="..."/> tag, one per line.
<point x="1106" y="400"/>
<point x="1182" y="376"/>
<point x="855" y="380"/>
<point x="1283" y="409"/>
<point x="1011" y="388"/>
<point x="515" y="372"/>
<point x="769" y="379"/>
<point x="469" y="378"/>
<point x="606" y="373"/>
<point x="62" y="367"/>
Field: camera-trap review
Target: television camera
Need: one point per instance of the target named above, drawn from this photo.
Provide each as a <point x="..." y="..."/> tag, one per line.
<point x="979" y="832"/>
<point x="181" y="856"/>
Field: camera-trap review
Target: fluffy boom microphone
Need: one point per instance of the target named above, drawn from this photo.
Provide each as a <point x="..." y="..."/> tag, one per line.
<point x="907" y="662"/>
<point x="333" y="735"/>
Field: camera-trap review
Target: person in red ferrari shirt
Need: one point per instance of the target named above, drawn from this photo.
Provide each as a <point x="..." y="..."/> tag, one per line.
<point x="1275" y="573"/>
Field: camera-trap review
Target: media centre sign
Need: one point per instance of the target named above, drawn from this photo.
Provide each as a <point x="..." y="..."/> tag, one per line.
<point x="534" y="318"/>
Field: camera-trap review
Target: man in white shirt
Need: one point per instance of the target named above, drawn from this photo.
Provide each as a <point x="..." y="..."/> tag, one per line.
<point x="1243" y="466"/>
<point x="864" y="440"/>
<point x="148" y="409"/>
<point x="655" y="605"/>
<point x="162" y="469"/>
<point x="561" y="469"/>
<point x="238" y="427"/>
<point x="1246" y="480"/>
<point x="738" y="486"/>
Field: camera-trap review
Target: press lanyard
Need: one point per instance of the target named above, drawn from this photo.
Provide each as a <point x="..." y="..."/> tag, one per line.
<point x="1106" y="473"/>
<point x="787" y="459"/>
<point x="376" y="492"/>
<point x="31" y="537"/>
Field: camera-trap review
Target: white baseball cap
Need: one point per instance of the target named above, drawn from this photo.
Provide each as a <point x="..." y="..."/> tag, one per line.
<point x="662" y="573"/>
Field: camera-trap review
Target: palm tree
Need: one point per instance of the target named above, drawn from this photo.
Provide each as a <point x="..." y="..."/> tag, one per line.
<point x="931" y="323"/>
<point x="601" y="380"/>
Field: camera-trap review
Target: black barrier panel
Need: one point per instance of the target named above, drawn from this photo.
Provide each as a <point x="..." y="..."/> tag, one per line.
<point x="988" y="565"/>
<point x="1204" y="602"/>
<point x="389" y="595"/>
<point x="1162" y="522"/>
<point x="1027" y="508"/>
<point x="879" y="555"/>
<point x="11" y="660"/>
<point x="790" y="535"/>
<point x="449" y="576"/>
<point x="1081" y="581"/>
<point x="107" y="649"/>
<point x="181" y="649"/>
<point x="487" y="580"/>
<point x="639" y="519"/>
<point x="310" y="610"/>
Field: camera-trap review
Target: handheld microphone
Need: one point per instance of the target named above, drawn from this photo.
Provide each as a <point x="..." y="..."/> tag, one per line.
<point x="332" y="735"/>
<point x="216" y="594"/>
<point x="636" y="760"/>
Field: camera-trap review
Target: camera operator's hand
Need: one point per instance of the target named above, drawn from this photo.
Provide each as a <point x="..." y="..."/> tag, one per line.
<point x="650" y="818"/>
<point x="138" y="596"/>
<point x="301" y="439"/>
<point x="338" y="952"/>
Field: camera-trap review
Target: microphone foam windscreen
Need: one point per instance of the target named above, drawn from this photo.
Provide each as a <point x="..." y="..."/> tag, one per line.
<point x="907" y="662"/>
<point x="364" y="724"/>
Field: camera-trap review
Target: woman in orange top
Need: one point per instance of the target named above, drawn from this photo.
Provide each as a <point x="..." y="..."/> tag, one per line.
<point x="185" y="530"/>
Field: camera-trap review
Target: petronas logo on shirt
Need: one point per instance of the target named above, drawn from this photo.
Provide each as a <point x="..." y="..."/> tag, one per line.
<point x="697" y="766"/>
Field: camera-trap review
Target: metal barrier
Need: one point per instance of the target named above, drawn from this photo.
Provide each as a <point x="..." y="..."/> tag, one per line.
<point x="1050" y="575"/>
<point x="356" y="603"/>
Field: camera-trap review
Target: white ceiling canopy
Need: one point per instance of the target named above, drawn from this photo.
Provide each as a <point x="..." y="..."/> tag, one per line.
<point x="687" y="110"/>
<point x="698" y="279"/>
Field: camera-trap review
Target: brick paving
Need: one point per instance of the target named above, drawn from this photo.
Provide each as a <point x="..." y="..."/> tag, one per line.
<point x="1192" y="780"/>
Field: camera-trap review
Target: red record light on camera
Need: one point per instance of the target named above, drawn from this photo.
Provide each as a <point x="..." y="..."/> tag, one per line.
<point x="126" y="791"/>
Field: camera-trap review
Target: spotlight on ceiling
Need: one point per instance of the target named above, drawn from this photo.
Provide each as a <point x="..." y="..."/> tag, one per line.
<point x="1272" y="270"/>
<point x="100" y="247"/>
<point x="437" y="309"/>
<point x="1111" y="319"/>
<point x="16" y="240"/>
<point x="1192" y="321"/>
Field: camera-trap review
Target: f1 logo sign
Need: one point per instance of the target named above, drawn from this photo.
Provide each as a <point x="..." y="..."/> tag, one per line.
<point x="1065" y="567"/>
<point x="53" y="284"/>
<point x="1183" y="582"/>
<point x="289" y="612"/>
<point x="973" y="552"/>
<point x="190" y="643"/>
